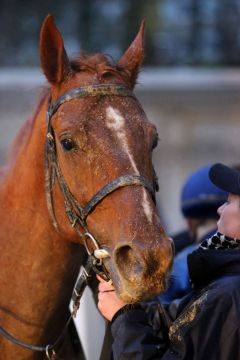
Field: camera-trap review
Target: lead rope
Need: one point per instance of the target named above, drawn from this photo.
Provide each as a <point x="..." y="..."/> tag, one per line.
<point x="94" y="265"/>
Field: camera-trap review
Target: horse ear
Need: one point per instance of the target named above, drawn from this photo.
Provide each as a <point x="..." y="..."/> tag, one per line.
<point x="132" y="59"/>
<point x="53" y="56"/>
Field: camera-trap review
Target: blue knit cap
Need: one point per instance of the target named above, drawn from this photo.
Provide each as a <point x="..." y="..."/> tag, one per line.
<point x="199" y="197"/>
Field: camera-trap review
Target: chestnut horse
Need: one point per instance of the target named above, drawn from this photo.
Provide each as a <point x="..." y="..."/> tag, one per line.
<point x="100" y="138"/>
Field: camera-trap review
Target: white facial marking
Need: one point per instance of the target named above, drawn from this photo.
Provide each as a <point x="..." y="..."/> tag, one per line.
<point x="146" y="206"/>
<point x="116" y="122"/>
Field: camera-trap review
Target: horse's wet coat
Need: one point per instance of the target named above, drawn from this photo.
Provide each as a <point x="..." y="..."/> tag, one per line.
<point x="111" y="137"/>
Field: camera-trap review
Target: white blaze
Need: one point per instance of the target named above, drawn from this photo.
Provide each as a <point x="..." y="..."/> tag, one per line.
<point x="146" y="206"/>
<point x="116" y="122"/>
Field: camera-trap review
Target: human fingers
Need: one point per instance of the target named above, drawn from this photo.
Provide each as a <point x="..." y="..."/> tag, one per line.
<point x="109" y="303"/>
<point x="105" y="286"/>
<point x="100" y="279"/>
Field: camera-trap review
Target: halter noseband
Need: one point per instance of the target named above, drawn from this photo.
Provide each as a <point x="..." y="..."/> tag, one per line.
<point x="76" y="213"/>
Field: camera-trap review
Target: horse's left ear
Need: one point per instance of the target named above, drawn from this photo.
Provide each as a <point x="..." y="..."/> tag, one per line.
<point x="132" y="59"/>
<point x="53" y="56"/>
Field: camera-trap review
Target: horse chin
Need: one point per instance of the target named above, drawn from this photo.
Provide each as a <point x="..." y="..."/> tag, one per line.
<point x="138" y="290"/>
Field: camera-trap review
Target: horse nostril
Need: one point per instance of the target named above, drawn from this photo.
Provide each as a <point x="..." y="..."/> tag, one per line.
<point x="127" y="262"/>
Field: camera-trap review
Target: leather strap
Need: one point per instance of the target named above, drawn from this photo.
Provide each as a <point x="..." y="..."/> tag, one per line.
<point x="76" y="213"/>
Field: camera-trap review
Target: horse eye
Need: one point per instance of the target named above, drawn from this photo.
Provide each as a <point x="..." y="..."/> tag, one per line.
<point x="67" y="144"/>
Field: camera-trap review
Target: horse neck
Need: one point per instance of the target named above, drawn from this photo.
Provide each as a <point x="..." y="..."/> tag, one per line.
<point x="24" y="170"/>
<point x="36" y="262"/>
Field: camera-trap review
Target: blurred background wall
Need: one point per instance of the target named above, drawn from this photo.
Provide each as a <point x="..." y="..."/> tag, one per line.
<point x="186" y="32"/>
<point x="189" y="85"/>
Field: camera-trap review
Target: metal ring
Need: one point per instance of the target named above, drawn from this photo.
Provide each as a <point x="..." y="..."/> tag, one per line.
<point x="50" y="353"/>
<point x="87" y="235"/>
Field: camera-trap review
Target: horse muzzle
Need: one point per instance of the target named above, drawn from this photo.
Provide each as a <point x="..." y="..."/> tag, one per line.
<point x="140" y="274"/>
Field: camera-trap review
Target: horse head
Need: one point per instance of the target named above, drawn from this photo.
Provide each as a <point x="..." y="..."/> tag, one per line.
<point x="102" y="137"/>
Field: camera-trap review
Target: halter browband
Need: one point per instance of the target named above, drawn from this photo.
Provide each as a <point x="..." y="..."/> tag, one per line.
<point x="90" y="90"/>
<point x="75" y="212"/>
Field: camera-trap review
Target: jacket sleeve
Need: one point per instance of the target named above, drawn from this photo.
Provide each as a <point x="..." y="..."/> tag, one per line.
<point x="208" y="327"/>
<point x="215" y="332"/>
<point x="135" y="338"/>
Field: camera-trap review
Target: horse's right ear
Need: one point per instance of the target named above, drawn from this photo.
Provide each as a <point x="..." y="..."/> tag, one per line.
<point x="53" y="56"/>
<point x="132" y="59"/>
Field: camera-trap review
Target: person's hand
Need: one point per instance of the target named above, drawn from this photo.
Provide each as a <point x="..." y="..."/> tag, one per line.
<point x="108" y="302"/>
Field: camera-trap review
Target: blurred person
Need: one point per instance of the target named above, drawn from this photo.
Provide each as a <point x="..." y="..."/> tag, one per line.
<point x="199" y="202"/>
<point x="200" y="199"/>
<point x="205" y="324"/>
<point x="181" y="240"/>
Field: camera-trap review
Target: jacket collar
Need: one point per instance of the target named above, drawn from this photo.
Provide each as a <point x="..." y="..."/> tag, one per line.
<point x="207" y="265"/>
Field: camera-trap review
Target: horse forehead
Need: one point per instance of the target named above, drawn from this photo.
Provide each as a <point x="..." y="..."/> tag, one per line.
<point x="131" y="124"/>
<point x="114" y="118"/>
<point x="115" y="112"/>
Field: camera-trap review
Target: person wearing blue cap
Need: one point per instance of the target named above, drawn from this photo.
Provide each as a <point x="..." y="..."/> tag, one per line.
<point x="204" y="324"/>
<point x="200" y="199"/>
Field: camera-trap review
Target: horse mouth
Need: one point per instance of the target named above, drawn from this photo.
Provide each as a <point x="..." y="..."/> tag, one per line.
<point x="139" y="287"/>
<point x="135" y="292"/>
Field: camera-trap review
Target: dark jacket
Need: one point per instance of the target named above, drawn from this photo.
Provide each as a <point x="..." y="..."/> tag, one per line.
<point x="205" y="324"/>
<point x="180" y="281"/>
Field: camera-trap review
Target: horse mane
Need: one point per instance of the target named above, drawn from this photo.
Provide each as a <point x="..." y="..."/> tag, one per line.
<point x="99" y="64"/>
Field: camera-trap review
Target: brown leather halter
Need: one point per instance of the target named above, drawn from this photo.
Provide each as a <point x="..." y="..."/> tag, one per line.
<point x="76" y="213"/>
